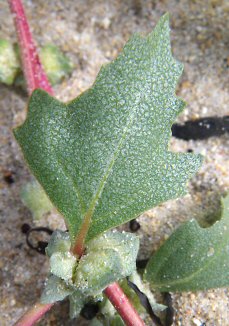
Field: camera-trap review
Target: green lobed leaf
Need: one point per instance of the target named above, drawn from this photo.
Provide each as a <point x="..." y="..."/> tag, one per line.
<point x="104" y="156"/>
<point x="193" y="258"/>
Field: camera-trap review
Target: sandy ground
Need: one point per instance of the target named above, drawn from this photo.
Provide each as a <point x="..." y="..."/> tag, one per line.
<point x="92" y="33"/>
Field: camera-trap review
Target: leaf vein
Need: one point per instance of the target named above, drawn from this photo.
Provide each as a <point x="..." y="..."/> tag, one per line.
<point x="110" y="165"/>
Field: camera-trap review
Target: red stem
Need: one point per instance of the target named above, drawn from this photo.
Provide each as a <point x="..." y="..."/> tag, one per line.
<point x="123" y="306"/>
<point x="36" y="78"/>
<point x="79" y="244"/>
<point x="32" y="68"/>
<point x="34" y="314"/>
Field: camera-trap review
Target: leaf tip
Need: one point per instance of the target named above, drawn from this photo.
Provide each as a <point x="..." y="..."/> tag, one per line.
<point x="164" y="21"/>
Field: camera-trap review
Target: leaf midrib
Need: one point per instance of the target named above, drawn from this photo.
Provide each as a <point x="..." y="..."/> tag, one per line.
<point x="114" y="156"/>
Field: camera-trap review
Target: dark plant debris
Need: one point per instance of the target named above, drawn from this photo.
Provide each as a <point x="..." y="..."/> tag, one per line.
<point x="169" y="317"/>
<point x="89" y="311"/>
<point x="145" y="303"/>
<point x="141" y="263"/>
<point x="40" y="244"/>
<point x="134" y="225"/>
<point x="25" y="228"/>
<point x="202" y="128"/>
<point x="8" y="177"/>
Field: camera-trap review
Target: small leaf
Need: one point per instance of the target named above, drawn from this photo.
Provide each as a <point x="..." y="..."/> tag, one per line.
<point x="34" y="197"/>
<point x="55" y="63"/>
<point x="59" y="242"/>
<point x="108" y="258"/>
<point x="103" y="158"/>
<point x="193" y="258"/>
<point x="9" y="62"/>
<point x="55" y="290"/>
<point x="77" y="301"/>
<point x="111" y="257"/>
<point x="62" y="265"/>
